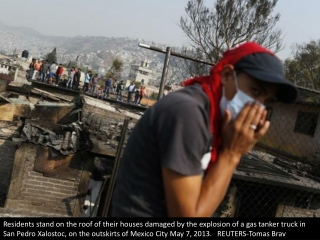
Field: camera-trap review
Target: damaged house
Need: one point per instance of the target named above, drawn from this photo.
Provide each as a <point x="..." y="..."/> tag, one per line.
<point x="58" y="150"/>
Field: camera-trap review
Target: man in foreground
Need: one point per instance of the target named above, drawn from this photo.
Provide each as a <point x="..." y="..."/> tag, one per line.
<point x="181" y="155"/>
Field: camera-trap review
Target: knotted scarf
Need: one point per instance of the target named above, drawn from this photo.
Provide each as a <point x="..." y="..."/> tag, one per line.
<point x="213" y="88"/>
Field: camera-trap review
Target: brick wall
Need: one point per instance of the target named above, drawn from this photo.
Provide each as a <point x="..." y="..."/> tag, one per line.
<point x="31" y="191"/>
<point x="33" y="194"/>
<point x="7" y="150"/>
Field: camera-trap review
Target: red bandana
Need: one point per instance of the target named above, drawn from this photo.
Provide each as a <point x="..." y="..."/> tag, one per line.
<point x="213" y="88"/>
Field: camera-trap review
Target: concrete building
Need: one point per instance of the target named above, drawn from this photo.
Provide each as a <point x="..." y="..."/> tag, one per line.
<point x="140" y="73"/>
<point x="149" y="90"/>
<point x="295" y="131"/>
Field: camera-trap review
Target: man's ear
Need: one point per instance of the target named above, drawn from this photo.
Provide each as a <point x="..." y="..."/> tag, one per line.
<point x="227" y="73"/>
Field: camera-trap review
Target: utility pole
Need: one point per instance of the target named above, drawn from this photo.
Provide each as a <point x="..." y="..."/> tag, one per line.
<point x="164" y="72"/>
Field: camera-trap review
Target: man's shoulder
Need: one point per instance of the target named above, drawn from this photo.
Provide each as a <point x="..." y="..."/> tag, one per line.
<point x="187" y="102"/>
<point x="193" y="95"/>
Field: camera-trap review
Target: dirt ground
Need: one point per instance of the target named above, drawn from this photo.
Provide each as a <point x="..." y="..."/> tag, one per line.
<point x="147" y="101"/>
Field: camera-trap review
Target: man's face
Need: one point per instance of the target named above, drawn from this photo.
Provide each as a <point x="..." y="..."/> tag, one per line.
<point x="258" y="90"/>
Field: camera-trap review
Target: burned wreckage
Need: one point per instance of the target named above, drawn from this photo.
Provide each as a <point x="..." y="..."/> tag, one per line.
<point x="63" y="151"/>
<point x="67" y="140"/>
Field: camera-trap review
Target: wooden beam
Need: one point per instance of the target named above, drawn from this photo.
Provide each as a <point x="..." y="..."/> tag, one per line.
<point x="45" y="95"/>
<point x="51" y="94"/>
<point x="3" y="98"/>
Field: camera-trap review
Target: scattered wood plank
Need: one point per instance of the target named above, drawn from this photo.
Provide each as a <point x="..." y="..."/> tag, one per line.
<point x="44" y="94"/>
<point x="4" y="99"/>
<point x="51" y="94"/>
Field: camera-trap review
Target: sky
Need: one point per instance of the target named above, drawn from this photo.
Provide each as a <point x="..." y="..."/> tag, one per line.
<point x="151" y="20"/>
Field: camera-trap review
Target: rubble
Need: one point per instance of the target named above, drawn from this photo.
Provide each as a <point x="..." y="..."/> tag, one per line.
<point x="61" y="137"/>
<point x="67" y="140"/>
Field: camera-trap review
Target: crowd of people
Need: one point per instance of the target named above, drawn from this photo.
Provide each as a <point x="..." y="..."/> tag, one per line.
<point x="135" y="93"/>
<point x="52" y="74"/>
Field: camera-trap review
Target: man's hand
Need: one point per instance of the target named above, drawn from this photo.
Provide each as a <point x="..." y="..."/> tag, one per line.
<point x="237" y="136"/>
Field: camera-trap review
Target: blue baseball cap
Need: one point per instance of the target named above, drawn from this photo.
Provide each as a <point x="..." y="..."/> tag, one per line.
<point x="268" y="68"/>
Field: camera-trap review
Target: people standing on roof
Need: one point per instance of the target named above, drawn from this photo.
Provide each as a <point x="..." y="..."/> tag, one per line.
<point x="36" y="69"/>
<point x="31" y="68"/>
<point x="136" y="96"/>
<point x="44" y="70"/>
<point x="53" y="69"/>
<point x="141" y="93"/>
<point x="94" y="82"/>
<point x="114" y="86"/>
<point x="120" y="88"/>
<point x="85" y="87"/>
<point x="108" y="85"/>
<point x="70" y="78"/>
<point x="58" y="75"/>
<point x="76" y="79"/>
<point x="131" y="91"/>
<point x="100" y="93"/>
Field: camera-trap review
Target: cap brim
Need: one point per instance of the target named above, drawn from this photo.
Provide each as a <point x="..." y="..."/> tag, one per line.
<point x="286" y="93"/>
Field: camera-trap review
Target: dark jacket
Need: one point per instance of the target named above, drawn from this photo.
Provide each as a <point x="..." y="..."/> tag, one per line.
<point x="120" y="87"/>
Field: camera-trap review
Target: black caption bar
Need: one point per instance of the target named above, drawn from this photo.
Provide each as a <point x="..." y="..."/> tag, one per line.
<point x="151" y="228"/>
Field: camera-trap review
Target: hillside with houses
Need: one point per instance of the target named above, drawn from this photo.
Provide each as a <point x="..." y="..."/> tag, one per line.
<point x="94" y="52"/>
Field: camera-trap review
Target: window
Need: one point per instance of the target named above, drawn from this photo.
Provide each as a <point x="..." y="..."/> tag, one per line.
<point x="306" y="123"/>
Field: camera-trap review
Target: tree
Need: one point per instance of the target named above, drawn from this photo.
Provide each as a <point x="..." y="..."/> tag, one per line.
<point x="72" y="64"/>
<point x="138" y="84"/>
<point x="115" y="70"/>
<point x="153" y="96"/>
<point x="52" y="56"/>
<point x="69" y="64"/>
<point x="303" y="68"/>
<point x="182" y="68"/>
<point x="228" y="23"/>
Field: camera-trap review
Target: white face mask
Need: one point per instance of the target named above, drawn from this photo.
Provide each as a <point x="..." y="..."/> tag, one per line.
<point x="237" y="103"/>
